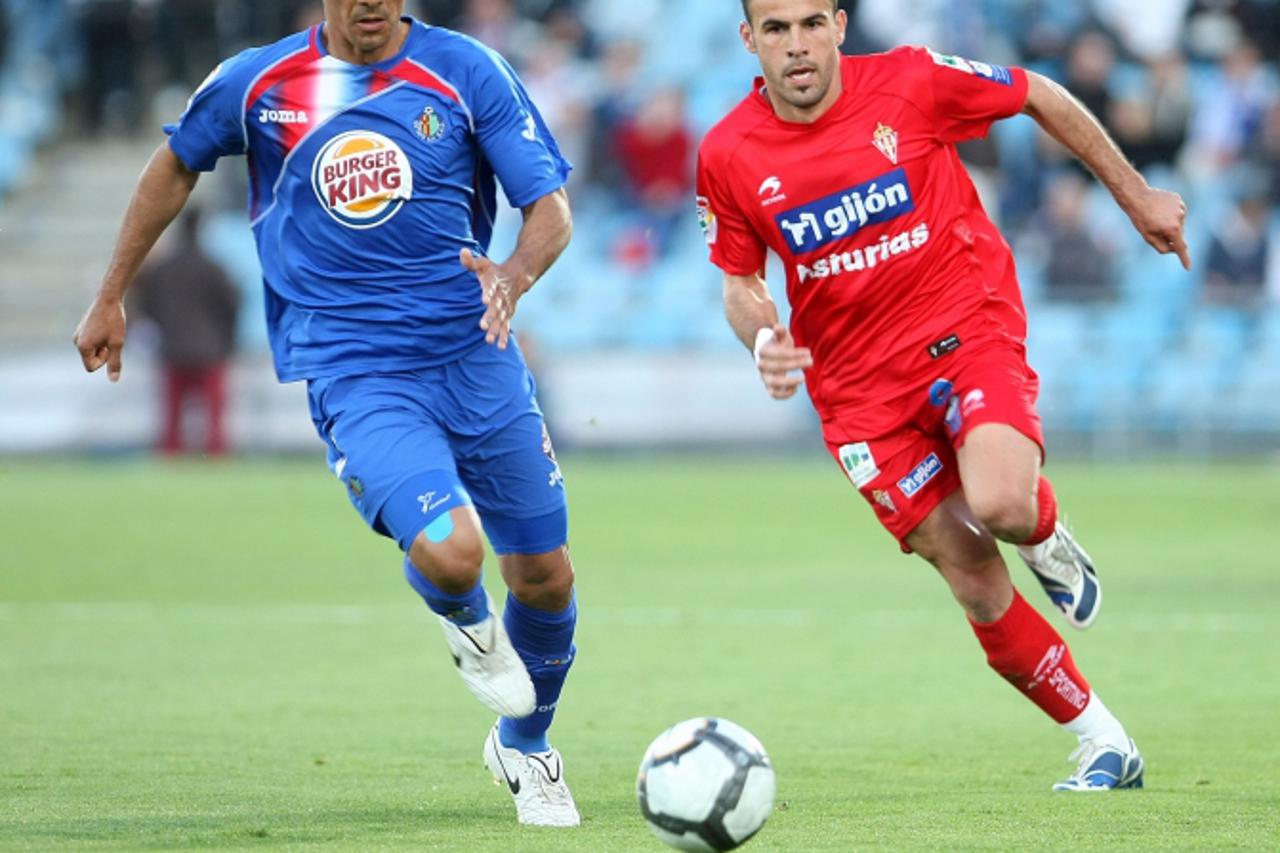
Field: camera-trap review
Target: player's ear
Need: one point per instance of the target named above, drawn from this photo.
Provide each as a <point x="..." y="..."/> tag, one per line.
<point x="748" y="40"/>
<point x="842" y="23"/>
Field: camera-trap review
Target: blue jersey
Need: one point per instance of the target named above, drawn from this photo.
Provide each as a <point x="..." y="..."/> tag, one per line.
<point x="365" y="181"/>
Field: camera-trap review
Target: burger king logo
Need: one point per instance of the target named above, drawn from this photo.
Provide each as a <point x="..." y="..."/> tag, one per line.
<point x="362" y="178"/>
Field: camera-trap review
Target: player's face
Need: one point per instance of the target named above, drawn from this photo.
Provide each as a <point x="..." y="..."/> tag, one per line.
<point x="798" y="44"/>
<point x="363" y="30"/>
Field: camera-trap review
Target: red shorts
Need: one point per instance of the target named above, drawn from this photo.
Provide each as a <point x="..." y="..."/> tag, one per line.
<point x="905" y="473"/>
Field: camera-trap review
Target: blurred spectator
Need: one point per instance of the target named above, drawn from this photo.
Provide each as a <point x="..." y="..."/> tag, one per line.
<point x="107" y="28"/>
<point x="1080" y="265"/>
<point x="496" y="23"/>
<point x="560" y="85"/>
<point x="193" y="304"/>
<point x="186" y="36"/>
<point x="617" y="96"/>
<point x="1229" y="121"/>
<point x="1150" y="123"/>
<point x="1147" y="28"/>
<point x="4" y="33"/>
<point x="1236" y="268"/>
<point x="656" y="151"/>
<point x="1091" y="59"/>
<point x="1267" y="155"/>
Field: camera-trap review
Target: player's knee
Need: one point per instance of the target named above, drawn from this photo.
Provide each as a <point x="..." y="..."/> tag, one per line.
<point x="451" y="562"/>
<point x="543" y="581"/>
<point x="1009" y="513"/>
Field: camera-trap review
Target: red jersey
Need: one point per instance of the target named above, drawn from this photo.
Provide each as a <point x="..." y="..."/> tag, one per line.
<point x="891" y="261"/>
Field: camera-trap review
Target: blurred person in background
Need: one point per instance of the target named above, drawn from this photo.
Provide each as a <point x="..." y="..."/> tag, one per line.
<point x="1080" y="265"/>
<point x="908" y="324"/>
<point x="1091" y="59"/>
<point x="193" y="305"/>
<point x="1229" y="121"/>
<point x="109" y="30"/>
<point x="655" y="149"/>
<point x="4" y="34"/>
<point x="1239" y="250"/>
<point x="375" y="146"/>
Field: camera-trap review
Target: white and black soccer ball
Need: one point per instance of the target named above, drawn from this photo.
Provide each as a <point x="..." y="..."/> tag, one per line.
<point x="705" y="784"/>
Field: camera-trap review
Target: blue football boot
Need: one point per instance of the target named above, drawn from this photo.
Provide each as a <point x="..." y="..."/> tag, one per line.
<point x="1103" y="768"/>
<point x="1067" y="575"/>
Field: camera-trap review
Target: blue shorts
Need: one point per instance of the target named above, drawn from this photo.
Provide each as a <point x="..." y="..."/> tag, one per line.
<point x="411" y="446"/>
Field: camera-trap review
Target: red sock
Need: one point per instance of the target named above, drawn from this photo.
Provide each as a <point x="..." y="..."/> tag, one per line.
<point x="1031" y="656"/>
<point x="1047" y="513"/>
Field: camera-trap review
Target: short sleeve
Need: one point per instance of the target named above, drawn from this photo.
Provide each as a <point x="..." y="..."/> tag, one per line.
<point x="735" y="247"/>
<point x="966" y="95"/>
<point x="213" y="124"/>
<point x="515" y="140"/>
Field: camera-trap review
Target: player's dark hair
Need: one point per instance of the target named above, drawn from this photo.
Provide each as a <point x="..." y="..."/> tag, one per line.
<point x="746" y="8"/>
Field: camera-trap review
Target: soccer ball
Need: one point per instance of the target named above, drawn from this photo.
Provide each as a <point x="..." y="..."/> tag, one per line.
<point x="705" y="784"/>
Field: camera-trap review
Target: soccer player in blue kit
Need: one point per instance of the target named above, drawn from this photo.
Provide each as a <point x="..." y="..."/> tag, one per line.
<point x="373" y="143"/>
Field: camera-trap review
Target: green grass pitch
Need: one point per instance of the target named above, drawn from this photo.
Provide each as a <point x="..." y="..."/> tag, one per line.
<point x="220" y="655"/>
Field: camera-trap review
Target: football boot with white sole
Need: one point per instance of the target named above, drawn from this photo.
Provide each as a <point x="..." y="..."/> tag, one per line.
<point x="1103" y="768"/>
<point x="490" y="666"/>
<point x="535" y="781"/>
<point x="1067" y="575"/>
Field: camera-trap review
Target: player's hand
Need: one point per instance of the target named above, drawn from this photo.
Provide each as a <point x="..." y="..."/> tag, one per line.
<point x="100" y="336"/>
<point x="1160" y="217"/>
<point x="778" y="359"/>
<point x="499" y="293"/>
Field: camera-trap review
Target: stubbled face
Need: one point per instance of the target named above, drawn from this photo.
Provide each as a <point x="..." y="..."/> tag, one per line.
<point x="364" y="31"/>
<point x="798" y="45"/>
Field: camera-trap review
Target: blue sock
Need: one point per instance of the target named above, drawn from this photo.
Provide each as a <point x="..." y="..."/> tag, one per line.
<point x="545" y="643"/>
<point x="466" y="609"/>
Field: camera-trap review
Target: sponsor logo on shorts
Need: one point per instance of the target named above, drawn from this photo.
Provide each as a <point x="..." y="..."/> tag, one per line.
<point x="865" y="257"/>
<point x="974" y="401"/>
<point x="858" y="463"/>
<point x="923" y="473"/>
<point x="556" y="477"/>
<point x="994" y="73"/>
<point x="430" y="502"/>
<point x="842" y="214"/>
<point x="362" y="178"/>
<point x="884" y="499"/>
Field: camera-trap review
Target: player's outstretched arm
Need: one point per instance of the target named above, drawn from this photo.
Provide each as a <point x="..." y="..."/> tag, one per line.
<point x="162" y="190"/>
<point x="754" y="318"/>
<point x="1158" y="215"/>
<point x="547" y="227"/>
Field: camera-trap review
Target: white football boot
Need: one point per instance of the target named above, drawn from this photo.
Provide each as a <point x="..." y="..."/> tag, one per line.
<point x="1103" y="768"/>
<point x="536" y="782"/>
<point x="1067" y="575"/>
<point x="490" y="666"/>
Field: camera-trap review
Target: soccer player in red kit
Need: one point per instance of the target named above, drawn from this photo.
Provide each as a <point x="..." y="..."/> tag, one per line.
<point x="907" y="321"/>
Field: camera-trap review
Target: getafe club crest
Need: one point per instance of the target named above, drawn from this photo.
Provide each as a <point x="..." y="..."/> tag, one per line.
<point x="429" y="126"/>
<point x="886" y="139"/>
